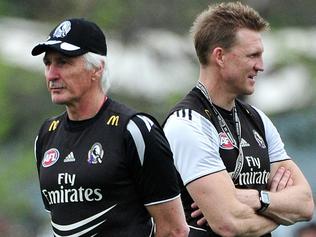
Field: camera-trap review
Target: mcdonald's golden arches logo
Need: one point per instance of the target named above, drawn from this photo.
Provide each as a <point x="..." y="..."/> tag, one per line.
<point x="113" y="120"/>
<point x="53" y="125"/>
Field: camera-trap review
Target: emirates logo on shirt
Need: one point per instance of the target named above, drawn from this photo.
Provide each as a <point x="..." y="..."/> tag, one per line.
<point x="50" y="157"/>
<point x="225" y="142"/>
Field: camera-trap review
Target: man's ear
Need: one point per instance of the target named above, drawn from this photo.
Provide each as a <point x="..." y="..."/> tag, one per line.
<point x="217" y="56"/>
<point x="97" y="72"/>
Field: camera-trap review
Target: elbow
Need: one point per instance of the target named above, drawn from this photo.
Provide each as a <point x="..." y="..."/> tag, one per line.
<point x="309" y="211"/>
<point x="308" y="208"/>
<point x="182" y="231"/>
<point x="226" y="229"/>
<point x="226" y="232"/>
<point x="306" y="211"/>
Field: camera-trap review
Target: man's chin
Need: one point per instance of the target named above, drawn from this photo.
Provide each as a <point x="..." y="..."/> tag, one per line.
<point x="250" y="91"/>
<point x="58" y="101"/>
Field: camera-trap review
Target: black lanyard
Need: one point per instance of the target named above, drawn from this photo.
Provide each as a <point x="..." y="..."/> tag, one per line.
<point x="226" y="130"/>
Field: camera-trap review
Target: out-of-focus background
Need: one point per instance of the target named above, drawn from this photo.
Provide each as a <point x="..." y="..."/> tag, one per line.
<point x="152" y="65"/>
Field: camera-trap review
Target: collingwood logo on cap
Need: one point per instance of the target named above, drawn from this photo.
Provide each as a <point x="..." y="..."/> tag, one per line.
<point x="62" y="30"/>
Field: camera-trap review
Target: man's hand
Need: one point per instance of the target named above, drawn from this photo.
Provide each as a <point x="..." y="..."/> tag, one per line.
<point x="197" y="213"/>
<point x="280" y="180"/>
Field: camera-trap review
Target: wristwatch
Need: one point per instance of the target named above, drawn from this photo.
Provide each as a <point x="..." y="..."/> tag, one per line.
<point x="264" y="200"/>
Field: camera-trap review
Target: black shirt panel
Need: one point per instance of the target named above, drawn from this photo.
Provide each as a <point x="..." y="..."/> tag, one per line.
<point x="156" y="164"/>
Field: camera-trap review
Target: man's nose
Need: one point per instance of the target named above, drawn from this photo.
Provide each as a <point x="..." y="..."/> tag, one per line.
<point x="51" y="72"/>
<point x="259" y="65"/>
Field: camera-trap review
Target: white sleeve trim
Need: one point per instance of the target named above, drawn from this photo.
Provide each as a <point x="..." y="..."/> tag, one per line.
<point x="35" y="142"/>
<point x="276" y="148"/>
<point x="194" y="142"/>
<point x="147" y="121"/>
<point x="161" y="201"/>
<point x="138" y="139"/>
<point x="196" y="228"/>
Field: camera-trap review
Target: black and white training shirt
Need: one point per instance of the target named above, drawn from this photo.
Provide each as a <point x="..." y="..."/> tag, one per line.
<point x="97" y="176"/>
<point x="201" y="147"/>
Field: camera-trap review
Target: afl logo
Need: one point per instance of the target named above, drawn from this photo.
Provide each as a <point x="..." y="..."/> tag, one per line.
<point x="225" y="143"/>
<point x="50" y="157"/>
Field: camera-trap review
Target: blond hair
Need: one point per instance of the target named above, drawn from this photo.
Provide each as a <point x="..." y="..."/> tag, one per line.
<point x="217" y="27"/>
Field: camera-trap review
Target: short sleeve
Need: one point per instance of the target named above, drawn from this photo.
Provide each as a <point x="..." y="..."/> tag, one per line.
<point x="38" y="157"/>
<point x="275" y="144"/>
<point x="194" y="142"/>
<point x="151" y="162"/>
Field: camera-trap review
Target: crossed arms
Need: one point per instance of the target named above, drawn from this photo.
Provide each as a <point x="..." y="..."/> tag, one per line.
<point x="232" y="212"/>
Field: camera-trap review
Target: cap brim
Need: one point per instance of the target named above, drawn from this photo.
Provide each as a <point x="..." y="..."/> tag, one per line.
<point x="59" y="46"/>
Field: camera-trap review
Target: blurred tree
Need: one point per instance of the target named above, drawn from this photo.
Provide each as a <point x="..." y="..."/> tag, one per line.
<point x="5" y="118"/>
<point x="128" y="17"/>
<point x="23" y="107"/>
<point x="22" y="96"/>
<point x="25" y="103"/>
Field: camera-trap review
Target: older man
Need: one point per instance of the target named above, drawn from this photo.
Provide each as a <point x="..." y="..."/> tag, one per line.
<point x="104" y="169"/>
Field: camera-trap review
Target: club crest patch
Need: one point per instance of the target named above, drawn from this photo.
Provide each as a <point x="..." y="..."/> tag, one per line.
<point x="95" y="154"/>
<point x="225" y="143"/>
<point x="259" y="139"/>
<point x="50" y="157"/>
<point x="62" y="30"/>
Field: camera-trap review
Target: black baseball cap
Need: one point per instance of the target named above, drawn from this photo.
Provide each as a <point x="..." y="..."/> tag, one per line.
<point x="74" y="37"/>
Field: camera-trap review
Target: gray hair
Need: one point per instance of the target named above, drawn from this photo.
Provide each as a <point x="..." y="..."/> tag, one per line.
<point x="93" y="61"/>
